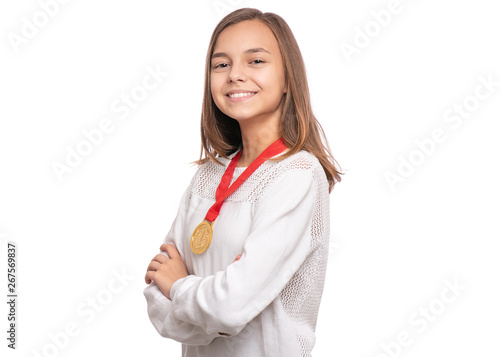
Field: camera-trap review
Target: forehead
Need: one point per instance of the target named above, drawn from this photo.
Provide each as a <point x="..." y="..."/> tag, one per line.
<point x="239" y="37"/>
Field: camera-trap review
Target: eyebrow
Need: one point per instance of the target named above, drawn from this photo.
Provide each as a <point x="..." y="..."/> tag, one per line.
<point x="251" y="50"/>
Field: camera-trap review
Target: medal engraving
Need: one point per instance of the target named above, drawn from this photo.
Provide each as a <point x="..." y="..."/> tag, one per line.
<point x="201" y="237"/>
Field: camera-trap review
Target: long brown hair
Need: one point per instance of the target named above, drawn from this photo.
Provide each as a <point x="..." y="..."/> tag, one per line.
<point x="300" y="130"/>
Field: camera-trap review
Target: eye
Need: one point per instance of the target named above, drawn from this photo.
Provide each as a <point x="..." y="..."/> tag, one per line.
<point x="259" y="61"/>
<point x="219" y="65"/>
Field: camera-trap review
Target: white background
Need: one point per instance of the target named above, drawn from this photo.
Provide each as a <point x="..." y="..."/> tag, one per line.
<point x="392" y="249"/>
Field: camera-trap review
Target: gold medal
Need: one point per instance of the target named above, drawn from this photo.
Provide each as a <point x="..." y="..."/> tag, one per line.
<point x="201" y="237"/>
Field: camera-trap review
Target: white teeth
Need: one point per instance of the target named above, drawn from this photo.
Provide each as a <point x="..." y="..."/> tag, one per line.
<point x="238" y="95"/>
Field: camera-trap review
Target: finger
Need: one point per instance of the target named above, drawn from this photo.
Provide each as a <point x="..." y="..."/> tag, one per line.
<point x="154" y="265"/>
<point x="164" y="246"/>
<point x="163" y="249"/>
<point x="172" y="251"/>
<point x="160" y="258"/>
<point x="149" y="276"/>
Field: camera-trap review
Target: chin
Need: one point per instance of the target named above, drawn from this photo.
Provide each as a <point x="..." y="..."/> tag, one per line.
<point x="240" y="116"/>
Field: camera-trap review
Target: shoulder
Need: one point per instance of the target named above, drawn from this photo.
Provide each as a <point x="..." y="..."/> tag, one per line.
<point x="207" y="177"/>
<point x="298" y="170"/>
<point x="300" y="161"/>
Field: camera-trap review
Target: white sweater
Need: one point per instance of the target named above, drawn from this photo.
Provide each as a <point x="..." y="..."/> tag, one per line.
<point x="265" y="304"/>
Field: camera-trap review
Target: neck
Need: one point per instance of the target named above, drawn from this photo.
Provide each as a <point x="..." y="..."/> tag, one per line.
<point x="255" y="140"/>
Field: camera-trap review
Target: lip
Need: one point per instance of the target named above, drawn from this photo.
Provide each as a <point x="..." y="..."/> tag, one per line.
<point x="239" y="99"/>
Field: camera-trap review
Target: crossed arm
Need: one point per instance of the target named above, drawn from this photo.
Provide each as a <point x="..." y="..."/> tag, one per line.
<point x="195" y="310"/>
<point x="166" y="271"/>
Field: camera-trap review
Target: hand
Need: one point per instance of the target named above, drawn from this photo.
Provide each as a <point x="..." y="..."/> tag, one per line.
<point x="166" y="271"/>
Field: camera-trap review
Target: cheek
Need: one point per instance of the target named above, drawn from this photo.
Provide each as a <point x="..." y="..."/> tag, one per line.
<point x="216" y="91"/>
<point x="272" y="80"/>
<point x="212" y="86"/>
<point x="216" y="86"/>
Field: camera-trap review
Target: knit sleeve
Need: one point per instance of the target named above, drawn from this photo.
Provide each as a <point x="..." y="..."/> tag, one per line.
<point x="160" y="308"/>
<point x="275" y="248"/>
<point x="160" y="311"/>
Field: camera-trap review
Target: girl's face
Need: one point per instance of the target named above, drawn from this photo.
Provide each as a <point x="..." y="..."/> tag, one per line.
<point x="247" y="60"/>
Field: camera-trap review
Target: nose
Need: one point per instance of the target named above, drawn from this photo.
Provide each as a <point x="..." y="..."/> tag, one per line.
<point x="237" y="73"/>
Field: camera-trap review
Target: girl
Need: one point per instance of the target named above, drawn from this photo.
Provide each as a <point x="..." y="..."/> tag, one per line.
<point x="260" y="194"/>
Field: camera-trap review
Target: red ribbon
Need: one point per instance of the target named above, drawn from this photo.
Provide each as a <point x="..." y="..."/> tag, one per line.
<point x="224" y="190"/>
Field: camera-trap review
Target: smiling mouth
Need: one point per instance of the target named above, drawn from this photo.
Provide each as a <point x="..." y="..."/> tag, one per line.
<point x="241" y="95"/>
